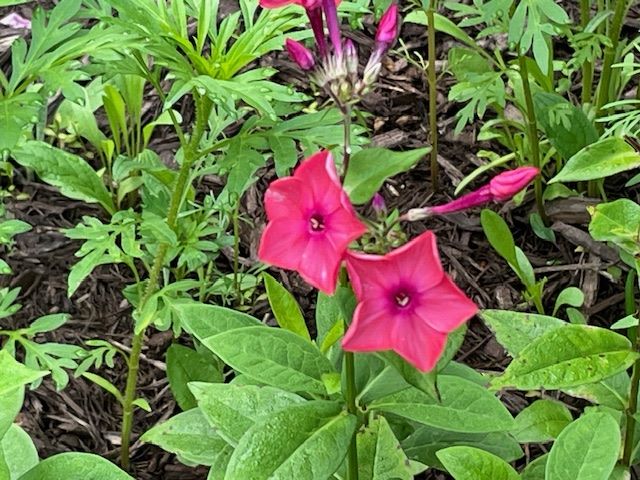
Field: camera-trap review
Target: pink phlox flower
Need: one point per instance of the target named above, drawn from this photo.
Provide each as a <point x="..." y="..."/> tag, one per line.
<point x="388" y="26"/>
<point x="311" y="223"/>
<point x="506" y="184"/>
<point x="406" y="303"/>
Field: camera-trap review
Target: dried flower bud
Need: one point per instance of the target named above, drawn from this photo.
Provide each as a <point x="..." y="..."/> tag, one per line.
<point x="300" y="54"/>
<point x="506" y="184"/>
<point x="388" y="26"/>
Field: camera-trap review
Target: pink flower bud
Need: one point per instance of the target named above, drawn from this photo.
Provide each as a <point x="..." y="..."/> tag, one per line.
<point x="506" y="184"/>
<point x="388" y="26"/>
<point x="299" y="54"/>
<point x="378" y="204"/>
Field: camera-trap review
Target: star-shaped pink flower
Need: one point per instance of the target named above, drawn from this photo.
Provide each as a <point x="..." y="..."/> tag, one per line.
<point x="406" y="303"/>
<point x="311" y="223"/>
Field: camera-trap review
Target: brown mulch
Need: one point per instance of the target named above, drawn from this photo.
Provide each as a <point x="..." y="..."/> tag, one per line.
<point x="85" y="418"/>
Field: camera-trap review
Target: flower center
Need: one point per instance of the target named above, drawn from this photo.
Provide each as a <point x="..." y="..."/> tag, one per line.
<point x="316" y="223"/>
<point x="402" y="299"/>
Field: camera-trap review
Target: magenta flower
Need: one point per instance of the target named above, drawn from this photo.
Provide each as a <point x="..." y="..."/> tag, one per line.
<point x="299" y="54"/>
<point x="499" y="189"/>
<point x="311" y="223"/>
<point x="406" y="303"/>
<point x="388" y="26"/>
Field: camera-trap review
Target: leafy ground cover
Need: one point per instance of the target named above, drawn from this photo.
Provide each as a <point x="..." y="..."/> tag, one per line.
<point x="105" y="102"/>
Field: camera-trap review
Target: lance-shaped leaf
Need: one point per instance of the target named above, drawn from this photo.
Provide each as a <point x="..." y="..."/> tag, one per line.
<point x="75" y="466"/>
<point x="566" y="357"/>
<point x="468" y="463"/>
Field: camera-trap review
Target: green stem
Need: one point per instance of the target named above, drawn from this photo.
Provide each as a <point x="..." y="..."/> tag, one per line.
<point x="181" y="184"/>
<point x="630" y="309"/>
<point x="610" y="54"/>
<point x="352" y="454"/>
<point x="433" y="93"/>
<point x="532" y="127"/>
<point x="346" y="122"/>
<point x="236" y="251"/>
<point x="587" y="66"/>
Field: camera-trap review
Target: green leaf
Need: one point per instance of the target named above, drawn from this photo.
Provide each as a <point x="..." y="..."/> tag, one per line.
<point x="441" y="24"/>
<point x="602" y="159"/>
<point x="274" y="357"/>
<point x="464" y="407"/>
<point x="541" y="422"/>
<point x="380" y="456"/>
<point x="536" y="469"/>
<point x="10" y="406"/>
<point x="499" y="236"/>
<point x="48" y="323"/>
<point x="468" y="463"/>
<point x="13" y="374"/>
<point x="617" y="222"/>
<point x="312" y="441"/>
<point x="572" y="296"/>
<point x="566" y="126"/>
<point x="369" y="168"/>
<point x="75" y="466"/>
<point x="585" y="450"/>
<point x="203" y="321"/>
<point x="425" y="382"/>
<point x="234" y="409"/>
<point x="567" y="357"/>
<point x="611" y="392"/>
<point x="515" y="330"/>
<point x="19" y="452"/>
<point x="285" y="308"/>
<point x="190" y="436"/>
<point x="425" y="442"/>
<point x="72" y="174"/>
<point x="186" y="365"/>
<point x="626" y="322"/>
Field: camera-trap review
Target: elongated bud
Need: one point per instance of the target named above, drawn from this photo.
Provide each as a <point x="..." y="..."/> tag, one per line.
<point x="300" y="54"/>
<point x="351" y="57"/>
<point x="506" y="184"/>
<point x="388" y="26"/>
<point x="499" y="189"/>
<point x="378" y="204"/>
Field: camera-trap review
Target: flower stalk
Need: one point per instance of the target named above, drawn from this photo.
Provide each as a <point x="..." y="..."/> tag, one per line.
<point x="532" y="127"/>
<point x="433" y="94"/>
<point x="352" y="454"/>
<point x="630" y="309"/>
<point x="191" y="154"/>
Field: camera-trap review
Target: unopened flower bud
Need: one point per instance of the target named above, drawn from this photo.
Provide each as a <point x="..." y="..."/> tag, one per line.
<point x="388" y="26"/>
<point x="351" y="57"/>
<point x="506" y="184"/>
<point x="300" y="54"/>
<point x="378" y="204"/>
<point x="416" y="214"/>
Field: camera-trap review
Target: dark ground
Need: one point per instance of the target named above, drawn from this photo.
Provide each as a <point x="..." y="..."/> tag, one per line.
<point x="85" y="418"/>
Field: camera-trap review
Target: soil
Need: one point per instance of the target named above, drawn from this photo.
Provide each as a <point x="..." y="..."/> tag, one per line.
<point x="83" y="417"/>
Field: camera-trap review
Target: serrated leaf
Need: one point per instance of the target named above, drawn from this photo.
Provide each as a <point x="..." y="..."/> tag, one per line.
<point x="602" y="159"/>
<point x="72" y="174"/>
<point x="274" y="357"/>
<point x="515" y="330"/>
<point x="567" y="357"/>
<point x="14" y="375"/>
<point x="464" y="407"/>
<point x="369" y="168"/>
<point x="285" y="308"/>
<point x="541" y="422"/>
<point x="186" y="365"/>
<point x="190" y="436"/>
<point x="234" y="409"/>
<point x="585" y="450"/>
<point x="468" y="463"/>
<point x="312" y="441"/>
<point x="75" y="466"/>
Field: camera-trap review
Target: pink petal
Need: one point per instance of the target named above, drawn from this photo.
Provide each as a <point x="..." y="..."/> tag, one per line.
<point x="287" y="198"/>
<point x="419" y="344"/>
<point x="342" y="228"/>
<point x="319" y="264"/>
<point x="283" y="243"/>
<point x="445" y="307"/>
<point x="371" y="276"/>
<point x="318" y="172"/>
<point x="369" y="330"/>
<point x="418" y="263"/>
